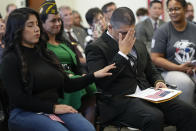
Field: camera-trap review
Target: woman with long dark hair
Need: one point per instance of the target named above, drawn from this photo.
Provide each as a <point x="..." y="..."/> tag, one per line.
<point x="34" y="79"/>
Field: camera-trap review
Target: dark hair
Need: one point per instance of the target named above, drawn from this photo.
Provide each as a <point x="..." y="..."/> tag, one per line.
<point x="182" y="2"/>
<point x="0" y="15"/>
<point x="8" y="6"/>
<point x="142" y="12"/>
<point x="104" y="8"/>
<point x="13" y="38"/>
<point x="59" y="36"/>
<point x="122" y="15"/>
<point x="155" y="1"/>
<point x="189" y="3"/>
<point x="91" y="14"/>
<point x="76" y="12"/>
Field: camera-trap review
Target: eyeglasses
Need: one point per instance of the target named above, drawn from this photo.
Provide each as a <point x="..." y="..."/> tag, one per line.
<point x="176" y="9"/>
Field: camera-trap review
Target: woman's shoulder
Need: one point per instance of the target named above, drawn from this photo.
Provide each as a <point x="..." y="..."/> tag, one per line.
<point x="10" y="57"/>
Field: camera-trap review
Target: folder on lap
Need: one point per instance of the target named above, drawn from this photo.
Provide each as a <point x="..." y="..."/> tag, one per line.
<point x="156" y="96"/>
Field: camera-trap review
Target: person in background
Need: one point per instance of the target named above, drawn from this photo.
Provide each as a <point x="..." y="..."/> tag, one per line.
<point x="10" y="7"/>
<point x="145" y="29"/>
<point x="190" y="12"/>
<point x="82" y="100"/>
<point x="2" y="32"/>
<point x="75" y="35"/>
<point x="78" y="20"/>
<point x="34" y="79"/>
<point x="173" y="49"/>
<point x="107" y="10"/>
<point x="134" y="71"/>
<point x="142" y="14"/>
<point x="97" y="23"/>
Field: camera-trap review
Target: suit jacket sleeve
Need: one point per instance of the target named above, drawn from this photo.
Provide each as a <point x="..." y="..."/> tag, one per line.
<point x="152" y="74"/>
<point x="96" y="61"/>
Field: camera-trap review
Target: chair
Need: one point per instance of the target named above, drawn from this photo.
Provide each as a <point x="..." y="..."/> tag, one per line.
<point x="119" y="125"/>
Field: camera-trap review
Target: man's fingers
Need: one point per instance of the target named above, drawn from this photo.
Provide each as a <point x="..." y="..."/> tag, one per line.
<point x="120" y="37"/>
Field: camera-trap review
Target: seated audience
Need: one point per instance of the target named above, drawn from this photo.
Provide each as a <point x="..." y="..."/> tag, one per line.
<point x="145" y="29"/>
<point x="34" y="79"/>
<point x="190" y="12"/>
<point x="97" y="23"/>
<point x="173" y="49"/>
<point x="134" y="71"/>
<point x="75" y="35"/>
<point x="2" y="32"/>
<point x="78" y="20"/>
<point x="142" y="14"/>
<point x="65" y="53"/>
<point x="10" y="7"/>
<point x="107" y="10"/>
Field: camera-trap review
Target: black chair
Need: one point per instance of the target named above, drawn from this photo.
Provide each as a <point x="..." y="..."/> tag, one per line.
<point x="119" y="125"/>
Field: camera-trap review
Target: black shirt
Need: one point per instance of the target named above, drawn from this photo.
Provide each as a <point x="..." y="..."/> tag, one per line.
<point x="47" y="82"/>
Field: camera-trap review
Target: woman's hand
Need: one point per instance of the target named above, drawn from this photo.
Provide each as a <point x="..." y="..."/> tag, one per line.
<point x="104" y="72"/>
<point x="62" y="109"/>
<point x="160" y="85"/>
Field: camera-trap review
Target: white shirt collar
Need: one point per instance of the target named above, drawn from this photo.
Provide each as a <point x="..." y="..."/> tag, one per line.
<point x="108" y="33"/>
<point x="153" y="21"/>
<point x="66" y="30"/>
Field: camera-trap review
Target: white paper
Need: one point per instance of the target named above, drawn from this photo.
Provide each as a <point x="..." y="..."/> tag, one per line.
<point x="156" y="95"/>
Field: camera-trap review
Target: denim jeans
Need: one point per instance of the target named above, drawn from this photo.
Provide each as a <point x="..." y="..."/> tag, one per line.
<point x="21" y="120"/>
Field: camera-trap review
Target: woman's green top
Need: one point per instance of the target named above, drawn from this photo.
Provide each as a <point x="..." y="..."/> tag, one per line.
<point x="67" y="57"/>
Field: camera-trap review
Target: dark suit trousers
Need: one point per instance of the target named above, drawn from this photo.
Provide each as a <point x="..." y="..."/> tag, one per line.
<point x="152" y="117"/>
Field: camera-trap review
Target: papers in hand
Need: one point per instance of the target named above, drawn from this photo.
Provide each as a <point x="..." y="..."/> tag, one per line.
<point x="156" y="96"/>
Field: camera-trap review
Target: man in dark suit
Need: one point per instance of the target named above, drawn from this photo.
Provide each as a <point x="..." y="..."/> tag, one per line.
<point x="146" y="28"/>
<point x="134" y="71"/>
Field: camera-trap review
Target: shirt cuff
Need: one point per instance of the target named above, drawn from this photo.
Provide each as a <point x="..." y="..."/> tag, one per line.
<point x="122" y="54"/>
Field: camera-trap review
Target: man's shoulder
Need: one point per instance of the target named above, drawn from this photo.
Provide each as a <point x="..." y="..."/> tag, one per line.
<point x="193" y="26"/>
<point x="79" y="29"/>
<point x="98" y="43"/>
<point x="143" y="23"/>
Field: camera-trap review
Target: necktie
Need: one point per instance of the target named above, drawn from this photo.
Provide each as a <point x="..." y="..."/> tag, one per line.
<point x="75" y="45"/>
<point x="71" y="37"/>
<point x="155" y="25"/>
<point x="133" y="61"/>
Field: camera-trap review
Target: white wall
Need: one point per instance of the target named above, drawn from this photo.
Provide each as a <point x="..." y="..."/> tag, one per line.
<point x="83" y="5"/>
<point x="4" y="3"/>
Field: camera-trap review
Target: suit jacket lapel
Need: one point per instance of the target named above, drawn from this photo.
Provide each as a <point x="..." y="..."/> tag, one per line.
<point x="111" y="46"/>
<point x="66" y="36"/>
